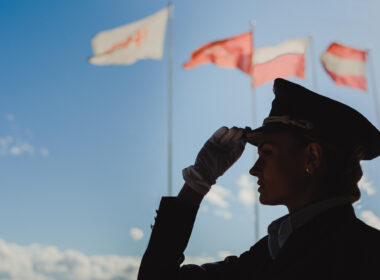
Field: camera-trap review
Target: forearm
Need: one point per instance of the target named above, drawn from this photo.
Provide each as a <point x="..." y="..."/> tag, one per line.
<point x="176" y="216"/>
<point x="169" y="238"/>
<point x="189" y="196"/>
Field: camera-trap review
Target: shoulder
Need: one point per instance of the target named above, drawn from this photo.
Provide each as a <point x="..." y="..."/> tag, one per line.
<point x="367" y="240"/>
<point x="349" y="228"/>
<point x="366" y="232"/>
<point x="260" y="245"/>
<point x="357" y="243"/>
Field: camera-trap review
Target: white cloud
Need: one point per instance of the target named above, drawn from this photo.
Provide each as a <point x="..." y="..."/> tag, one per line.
<point x="48" y="263"/>
<point x="15" y="143"/>
<point x="44" y="152"/>
<point x="198" y="260"/>
<point x="223" y="213"/>
<point x="247" y="194"/>
<point x="357" y="204"/>
<point x="136" y="233"/>
<point x="370" y="218"/>
<point x="9" y="146"/>
<point x="204" y="208"/>
<point x="39" y="262"/>
<point x="10" y="117"/>
<point x="223" y="254"/>
<point x="364" y="184"/>
<point x="218" y="196"/>
<point x="21" y="149"/>
<point x="4" y="144"/>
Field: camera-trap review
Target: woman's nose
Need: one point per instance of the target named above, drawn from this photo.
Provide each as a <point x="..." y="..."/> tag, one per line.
<point x="255" y="170"/>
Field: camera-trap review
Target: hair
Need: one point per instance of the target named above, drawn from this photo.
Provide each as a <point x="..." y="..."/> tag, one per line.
<point x="343" y="170"/>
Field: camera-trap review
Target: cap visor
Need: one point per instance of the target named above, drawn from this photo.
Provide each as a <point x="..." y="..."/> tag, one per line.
<point x="254" y="136"/>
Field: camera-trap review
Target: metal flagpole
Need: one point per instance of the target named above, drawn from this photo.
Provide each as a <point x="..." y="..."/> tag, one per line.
<point x="170" y="94"/>
<point x="314" y="75"/>
<point x="256" y="211"/>
<point x="374" y="88"/>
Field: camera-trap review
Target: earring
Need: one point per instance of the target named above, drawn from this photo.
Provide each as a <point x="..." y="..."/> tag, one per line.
<point x="308" y="170"/>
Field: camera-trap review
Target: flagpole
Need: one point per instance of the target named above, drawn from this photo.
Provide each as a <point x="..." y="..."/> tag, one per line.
<point x="256" y="205"/>
<point x="170" y="94"/>
<point x="314" y="72"/>
<point x="374" y="87"/>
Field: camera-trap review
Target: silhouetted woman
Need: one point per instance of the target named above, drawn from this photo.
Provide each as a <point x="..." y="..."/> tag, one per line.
<point x="310" y="148"/>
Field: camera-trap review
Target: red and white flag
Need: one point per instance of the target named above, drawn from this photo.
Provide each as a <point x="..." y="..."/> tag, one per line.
<point x="345" y="65"/>
<point x="284" y="60"/>
<point x="129" y="43"/>
<point x="230" y="53"/>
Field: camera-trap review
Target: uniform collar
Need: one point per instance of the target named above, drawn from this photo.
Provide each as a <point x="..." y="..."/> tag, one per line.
<point x="280" y="230"/>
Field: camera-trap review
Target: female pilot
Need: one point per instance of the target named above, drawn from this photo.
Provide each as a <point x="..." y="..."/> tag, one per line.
<point x="309" y="149"/>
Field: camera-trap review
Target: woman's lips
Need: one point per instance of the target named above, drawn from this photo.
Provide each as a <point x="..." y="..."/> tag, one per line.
<point x="261" y="185"/>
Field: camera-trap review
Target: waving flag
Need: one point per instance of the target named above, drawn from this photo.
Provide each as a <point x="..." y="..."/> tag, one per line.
<point x="230" y="53"/>
<point x="284" y="60"/>
<point x="129" y="43"/>
<point x="345" y="65"/>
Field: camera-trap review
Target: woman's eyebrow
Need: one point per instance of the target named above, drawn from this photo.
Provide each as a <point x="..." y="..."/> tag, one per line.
<point x="266" y="142"/>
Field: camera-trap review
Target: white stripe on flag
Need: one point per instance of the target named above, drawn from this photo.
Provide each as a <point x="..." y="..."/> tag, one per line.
<point x="343" y="66"/>
<point x="293" y="46"/>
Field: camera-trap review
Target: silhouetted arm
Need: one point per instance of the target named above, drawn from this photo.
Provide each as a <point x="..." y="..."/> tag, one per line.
<point x="189" y="196"/>
<point x="170" y="235"/>
<point x="176" y="215"/>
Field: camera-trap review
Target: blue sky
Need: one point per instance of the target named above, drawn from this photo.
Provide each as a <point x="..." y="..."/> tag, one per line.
<point x="83" y="148"/>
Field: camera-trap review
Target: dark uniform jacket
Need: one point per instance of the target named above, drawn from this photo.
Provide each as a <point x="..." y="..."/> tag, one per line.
<point x="332" y="245"/>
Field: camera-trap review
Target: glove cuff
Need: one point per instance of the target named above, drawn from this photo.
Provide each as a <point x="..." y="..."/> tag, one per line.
<point x="195" y="180"/>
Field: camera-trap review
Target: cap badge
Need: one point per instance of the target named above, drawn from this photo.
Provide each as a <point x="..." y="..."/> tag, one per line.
<point x="287" y="120"/>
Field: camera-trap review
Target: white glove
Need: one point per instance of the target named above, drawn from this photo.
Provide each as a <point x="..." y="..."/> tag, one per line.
<point x="218" y="154"/>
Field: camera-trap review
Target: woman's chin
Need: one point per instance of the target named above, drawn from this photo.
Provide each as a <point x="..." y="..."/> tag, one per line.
<point x="265" y="200"/>
<point x="262" y="198"/>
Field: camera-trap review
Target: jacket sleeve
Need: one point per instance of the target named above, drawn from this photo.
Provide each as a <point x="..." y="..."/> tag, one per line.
<point x="170" y="235"/>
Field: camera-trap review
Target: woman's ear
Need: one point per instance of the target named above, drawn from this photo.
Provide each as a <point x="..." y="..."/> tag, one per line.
<point x="313" y="155"/>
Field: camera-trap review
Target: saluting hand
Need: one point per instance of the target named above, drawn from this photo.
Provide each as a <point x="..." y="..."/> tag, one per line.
<point x="218" y="154"/>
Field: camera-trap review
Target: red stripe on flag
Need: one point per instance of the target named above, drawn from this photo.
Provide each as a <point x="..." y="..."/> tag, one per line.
<point x="358" y="82"/>
<point x="281" y="67"/>
<point x="346" y="52"/>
